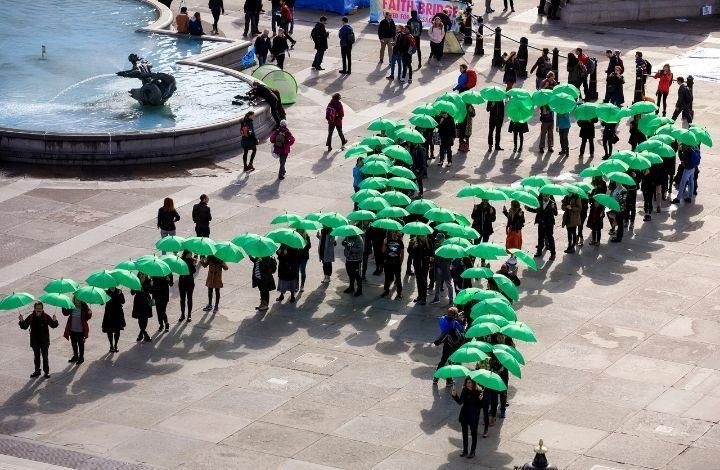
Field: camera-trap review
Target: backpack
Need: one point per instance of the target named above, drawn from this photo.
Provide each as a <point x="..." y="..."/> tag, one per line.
<point x="591" y="65"/>
<point x="415" y="28"/>
<point x="280" y="140"/>
<point x="350" y="38"/>
<point x="330" y="114"/>
<point x="583" y="70"/>
<point x="471" y="79"/>
<point x="648" y="68"/>
<point x="695" y="157"/>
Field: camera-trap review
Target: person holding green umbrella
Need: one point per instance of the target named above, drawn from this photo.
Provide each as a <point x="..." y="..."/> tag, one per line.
<point x="303" y="258"/>
<point x="441" y="274"/>
<point x="39" y="324"/>
<point x="354" y="249"/>
<point x="617" y="218"/>
<point x="496" y="112"/>
<point x="142" y="306"/>
<point x="214" y="280"/>
<point x="419" y="165"/>
<point x="547" y="127"/>
<point x="394" y="254"/>
<point x="545" y="220"/>
<point x="287" y="271"/>
<point x="563" y="124"/>
<point x="262" y="279"/>
<point x="515" y="223"/>
<point x="421" y="252"/>
<point x="571" y="219"/>
<point x="447" y="132"/>
<point x="587" y="136"/>
<point x="161" y="297"/>
<point x="326" y="251"/>
<point x="186" y="286"/>
<point x="596" y="214"/>
<point x="114" y="318"/>
<point x="451" y="338"/>
<point x="471" y="400"/>
<point x="77" y="329"/>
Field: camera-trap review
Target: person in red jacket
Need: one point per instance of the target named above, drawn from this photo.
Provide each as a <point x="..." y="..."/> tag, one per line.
<point x="666" y="78"/>
<point x="282" y="140"/>
<point x="77" y="329"/>
<point x="334" y="114"/>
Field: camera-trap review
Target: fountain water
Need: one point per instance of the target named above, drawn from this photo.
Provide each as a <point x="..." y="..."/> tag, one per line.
<point x="81" y="82"/>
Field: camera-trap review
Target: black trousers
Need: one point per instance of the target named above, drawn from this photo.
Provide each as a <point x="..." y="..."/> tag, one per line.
<point x="186" y="297"/>
<point x="216" y="18"/>
<point x="417" y="47"/>
<point x="252" y="150"/>
<point x="586" y="140"/>
<point x="142" y="324"/>
<point x="161" y="309"/>
<point x="546" y="238"/>
<point x="595" y="235"/>
<point x="421" y="278"/>
<point x="494" y="127"/>
<point x="331" y="128"/>
<point x="327" y="268"/>
<point x="619" y="225"/>
<point x="446" y="352"/>
<point x="251" y="23"/>
<point x="366" y="258"/>
<point x="662" y="96"/>
<point x="393" y="272"/>
<point x="264" y="296"/>
<point x="353" y="272"/>
<point x="280" y="59"/>
<point x="202" y="231"/>
<point x="77" y="341"/>
<point x="517" y="136"/>
<point x="512" y="6"/>
<point x="647" y="202"/>
<point x="630" y="203"/>
<point x="377" y="245"/>
<point x="346" y="54"/>
<point x="473" y="428"/>
<point x="217" y="296"/>
<point x="39" y="351"/>
<point x="572" y="236"/>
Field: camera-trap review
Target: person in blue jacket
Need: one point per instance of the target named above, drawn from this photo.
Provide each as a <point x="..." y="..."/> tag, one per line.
<point x="462" y="79"/>
<point x="195" y="26"/>
<point x="451" y="337"/>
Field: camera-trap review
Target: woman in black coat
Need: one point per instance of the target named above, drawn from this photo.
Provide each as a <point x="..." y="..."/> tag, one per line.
<point x="287" y="272"/>
<point x="263" y="279"/>
<point x="39" y="324"/>
<point x="471" y="399"/>
<point x="161" y="297"/>
<point x="142" y="306"/>
<point x="114" y="318"/>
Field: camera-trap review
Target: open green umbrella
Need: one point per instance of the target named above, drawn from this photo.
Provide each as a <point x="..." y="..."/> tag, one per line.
<point x="542" y="97"/>
<point x="643" y="107"/>
<point x="554" y="190"/>
<point x="649" y="123"/>
<point x="591" y="172"/>
<point x="374" y="182"/>
<point x="536" y="181"/>
<point x="396" y="198"/>
<point x="478" y="330"/>
<point x="510" y="350"/>
<point x="467" y="354"/>
<point x="417" y="228"/>
<point x="608" y="112"/>
<point x="461" y="219"/>
<point x="445" y="107"/>
<point x="634" y="162"/>
<point x="607" y="201"/>
<point x="468" y="233"/>
<point x="410" y="135"/>
<point x="402" y="172"/>
<point x="508" y="361"/>
<point x="524" y="257"/>
<point x="260" y="247"/>
<point x="451" y="372"/>
<point x="400" y="182"/>
<point x="246" y="237"/>
<point x="490" y="318"/>
<point x="286" y="218"/>
<point x="171" y="243"/>
<point x="202" y="246"/>
<point x="439" y="215"/>
<point x="425" y="109"/>
<point x="362" y="194"/>
<point x="381" y="125"/>
<point x="568" y="89"/>
<point x="226" y="251"/>
<point x="666" y="129"/>
<point x="387" y="224"/>
<point x="376" y="157"/>
<point x="472" y="97"/>
<point x="473" y="293"/>
<point x="532" y="190"/>
<point x="396" y="152"/>
<point x="374" y="169"/>
<point x="520" y="110"/>
<point x="493" y="93"/>
<point x="585" y="112"/>
<point x="519" y="330"/>
<point x="702" y="134"/>
<point x="153" y="266"/>
<point x="102" y="279"/>
<point x="656" y="147"/>
<point x="487" y="250"/>
<point x="128" y="265"/>
<point x="494" y="306"/>
<point x="492" y="194"/>
<point x="393" y="213"/>
<point x="463" y="242"/>
<point x="358" y="151"/>
<point x="477" y="273"/>
<point x="450" y="252"/>
<point x="61" y="286"/>
<point x="507" y="190"/>
<point x="332" y="220"/>
<point x="346" y="231"/>
<point x="57" y="300"/>
<point x="126" y="278"/>
<point x="684" y="136"/>
<point x="471" y="190"/>
<point x="15" y="300"/>
<point x="91" y="295"/>
<point x="361" y="215"/>
<point x="584" y="185"/>
<point x="574" y="189"/>
<point x="288" y="237"/>
<point x="519" y="93"/>
<point x="562" y="103"/>
<point x="306" y="225"/>
<point x="622" y="178"/>
<point x="423" y="121"/>
<point x="506" y="286"/>
<point x="609" y="166"/>
<point x="375" y="203"/>
<point x="451" y="228"/>
<point x="374" y="141"/>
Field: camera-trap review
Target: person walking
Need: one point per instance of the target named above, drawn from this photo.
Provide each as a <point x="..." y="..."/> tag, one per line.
<point x="421" y="252"/>
<point x="545" y="220"/>
<point x="442" y="277"/>
<point x="282" y="140"/>
<point x="563" y="127"/>
<point x="447" y="132"/>
<point x="77" y="329"/>
<point x="394" y="254"/>
<point x="437" y="40"/>
<point x="510" y="70"/>
<point x="451" y="337"/>
<point x="541" y="67"/>
<point x="470" y="398"/>
<point x="114" y="318"/>
<point x="665" y="78"/>
<point x="251" y="9"/>
<point x="334" y="114"/>
<point x="415" y="27"/>
<point x="386" y="34"/>
<point x="279" y="48"/>
<point x="515" y="223"/>
<point x="326" y="252"/>
<point x="166" y="218"/>
<point x="287" y="272"/>
<point x="571" y="219"/>
<point x="347" y="40"/>
<point x="39" y="324"/>
<point x="263" y="45"/>
<point x="214" y="280"/>
<point x="285" y="21"/>
<point x="142" y="306"/>
<point x="186" y="286"/>
<point x="320" y="36"/>
<point x="547" y="126"/>
<point x="587" y="136"/>
<point x="216" y="8"/>
<point x="263" y="279"/>
<point x="690" y="160"/>
<point x="249" y="140"/>
<point x="684" y="103"/>
<point x="496" y="112"/>
<point x="201" y="216"/>
<point x="354" y="249"/>
<point x="161" y="297"/>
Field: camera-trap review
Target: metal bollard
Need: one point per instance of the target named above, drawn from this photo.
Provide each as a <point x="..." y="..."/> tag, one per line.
<point x="522" y="58"/>
<point x="497" y="54"/>
<point x="592" y="94"/>
<point x="540" y="461"/>
<point x="555" y="56"/>
<point x="479" y="37"/>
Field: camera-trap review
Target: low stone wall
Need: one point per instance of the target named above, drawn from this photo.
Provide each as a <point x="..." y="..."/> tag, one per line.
<point x="594" y="11"/>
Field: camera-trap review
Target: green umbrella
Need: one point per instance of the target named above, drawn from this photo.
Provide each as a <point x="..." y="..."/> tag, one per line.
<point x="702" y="134"/>
<point x="426" y="109"/>
<point x="607" y="201"/>
<point x="519" y="330"/>
<point x="469" y="233"/>
<point x="288" y="237"/>
<point x="506" y="190"/>
<point x="554" y="190"/>
<point x="402" y="183"/>
<point x="562" y="103"/>
<point x="374" y="203"/>
<point x="536" y="181"/>
<point x="246" y="237"/>
<point x="487" y="250"/>
<point x="306" y="225"/>
<point x="397" y="152"/>
<point x="445" y="107"/>
<point x="402" y="172"/>
<point x="586" y="112"/>
<point x="508" y="361"/>
<point x="417" y="228"/>
<point x="493" y="93"/>
<point x="525" y="198"/>
<point x="608" y="112"/>
<point x="477" y="273"/>
<point x="532" y="190"/>
<point x="643" y="107"/>
<point x="463" y="242"/>
<point x="393" y="213"/>
<point x="410" y="135"/>
<point x="568" y="89"/>
<point x="226" y="251"/>
<point x="666" y="129"/>
<point x="376" y="157"/>
<point x="494" y="195"/>
<point x="473" y="97"/>
<point x="332" y="220"/>
<point x="520" y="93"/>
<point x="478" y="330"/>
<point x="510" y="350"/>
<point x="542" y="97"/>
<point x="126" y="278"/>
<point x="387" y="224"/>
<point x="260" y="247"/>
<point x="362" y="194"/>
<point x="524" y="257"/>
<point x="346" y="231"/>
<point x="471" y="190"/>
<point x="467" y="354"/>
<point x="622" y="178"/>
<point x="609" y="166"/>
<point x="102" y="279"/>
<point x="374" y="169"/>
<point x="684" y="136"/>
<point x="574" y="189"/>
<point x="202" y="246"/>
<point x="636" y="162"/>
<point x="374" y="182"/>
<point x="490" y="318"/>
<point x="439" y="215"/>
<point x="381" y="125"/>
<point x="656" y="147"/>
<point x="286" y="218"/>
<point x="57" y="300"/>
<point x="591" y="172"/>
<point x="374" y="141"/>
<point x="461" y="219"/>
<point x="91" y="295"/>
<point x="361" y="215"/>
<point x="649" y="123"/>
<point x="451" y="228"/>
<point x="15" y="300"/>
<point x="153" y="266"/>
<point x="450" y="252"/>
<point x="172" y="243"/>
<point x="520" y="110"/>
<point x="451" y="372"/>
<point x="61" y="286"/>
<point x="506" y="286"/>
<point x="473" y="293"/>
<point x="423" y="121"/>
<point x="128" y="265"/>
<point x="396" y="198"/>
<point x="488" y="379"/>
<point x="494" y="306"/>
<point x="357" y="151"/>
<point x="585" y="186"/>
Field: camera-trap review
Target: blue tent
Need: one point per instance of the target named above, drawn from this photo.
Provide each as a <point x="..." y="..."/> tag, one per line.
<point x="341" y="7"/>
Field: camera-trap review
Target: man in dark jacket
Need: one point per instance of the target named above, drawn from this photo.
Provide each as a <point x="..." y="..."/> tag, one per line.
<point x="39" y="323"/>
<point x="319" y="36"/>
<point x="262" y="47"/>
<point x="251" y="8"/>
<point x="496" y="110"/>
<point x="354" y="249"/>
<point x="415" y="27"/>
<point x="447" y="132"/>
<point x="545" y="220"/>
<point x="483" y="216"/>
<point x="394" y="253"/>
<point x="419" y="165"/>
<point x="684" y="101"/>
<point x="386" y="33"/>
<point x="202" y="217"/>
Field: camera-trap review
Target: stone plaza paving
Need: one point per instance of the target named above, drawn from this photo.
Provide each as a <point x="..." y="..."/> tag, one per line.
<point x="625" y="374"/>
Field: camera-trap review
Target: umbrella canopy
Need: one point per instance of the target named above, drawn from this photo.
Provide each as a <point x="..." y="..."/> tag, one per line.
<point x="562" y="103"/>
<point x="574" y="189"/>
<point x="410" y="135"/>
<point x="260" y="247"/>
<point x="494" y="306"/>
<point x="466" y="354"/>
<point x="520" y="93"/>
<point x="286" y="218"/>
<point x="226" y="251"/>
<point x="487" y="250"/>
<point x="520" y="109"/>
<point x="374" y="168"/>
<point x="361" y="194"/>
<point x="471" y="190"/>
<point x="346" y="231"/>
<point x="373" y="204"/>
<point x="492" y="194"/>
<point x="396" y="152"/>
<point x="472" y="97"/>
<point x="288" y="237"/>
<point x="451" y="228"/>
<point x="506" y="286"/>
<point x="357" y="151"/>
<point x="171" y="243"/>
<point x="608" y="166"/>
<point x="332" y="220"/>
<point x="400" y="182"/>
<point x="387" y="224"/>
<point x="393" y="213"/>
<point x="488" y="379"/>
<point x="450" y="252"/>
<point x="126" y="278"/>
<point x="519" y="330"/>
<point x="376" y="157"/>
<point x="493" y="93"/>
<point x="490" y="318"/>
<point x="396" y="198"/>
<point x="702" y="134"/>
<point x="306" y="225"/>
<point x="568" y="89"/>
<point x="524" y="257"/>
<point x="463" y="242"/>
<point x="508" y="361"/>
<point x="591" y="172"/>
<point x="361" y="215"/>
<point x="425" y="109"/>
<point x="420" y="206"/>
<point x="57" y="300"/>
<point x="607" y="201"/>
<point x="61" y="286"/>
<point x="473" y="293"/>
<point x="643" y="107"/>
<point x="542" y="97"/>
<point x="451" y="372"/>
<point x="684" y="136"/>
<point x="477" y="273"/>
<point x="523" y="197"/>
<point x="461" y="219"/>
<point x="478" y="330"/>
<point x="381" y="125"/>
<point x="586" y="112"/>
<point x="554" y="190"/>
<point x="635" y="162"/>
<point x="417" y="228"/>
<point x="622" y="178"/>
<point x="15" y="300"/>
<point x="439" y="215"/>
<point x="648" y="124"/>
<point x="423" y="121"/>
<point x="608" y="112"/>
<point x="202" y="246"/>
<point x="374" y="141"/>
<point x="91" y="295"/>
<point x="656" y="147"/>
<point x="153" y="266"/>
<point x="445" y="107"/>
<point x="103" y="279"/>
<point x="536" y="181"/>
<point x="373" y="182"/>
<point x="402" y="172"/>
<point x="128" y="265"/>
